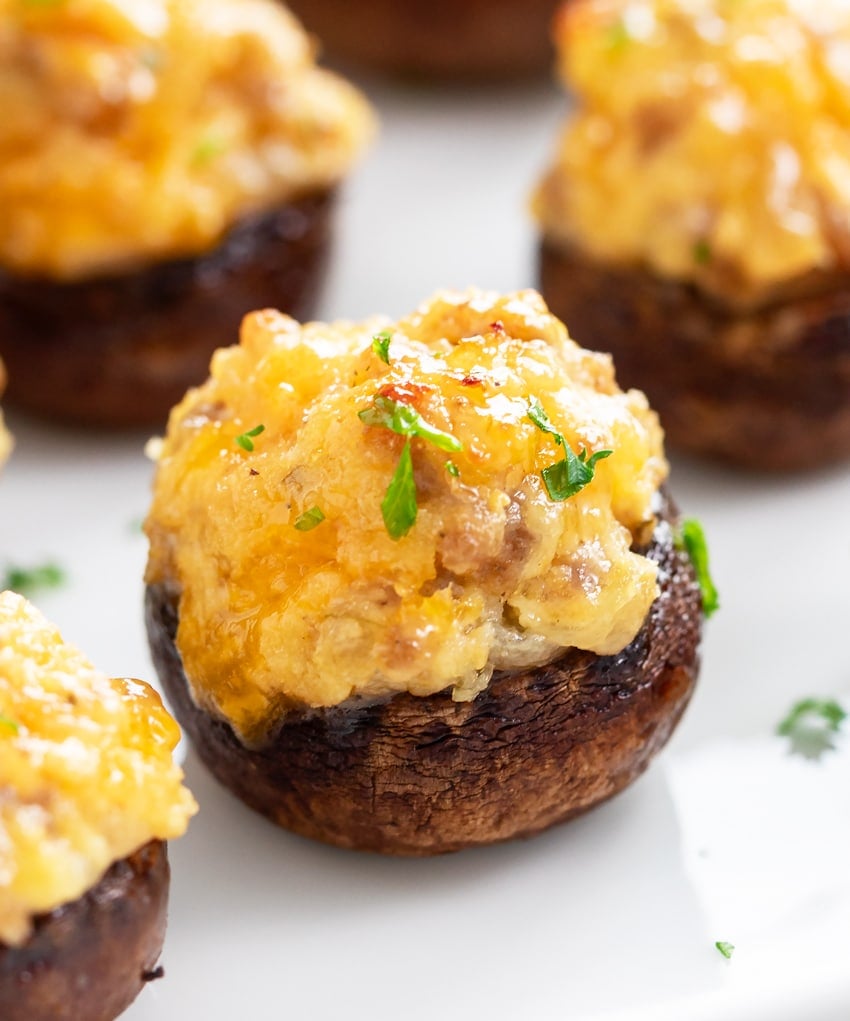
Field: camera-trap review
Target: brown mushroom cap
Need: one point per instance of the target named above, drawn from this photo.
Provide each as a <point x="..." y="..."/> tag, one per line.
<point x="90" y="958"/>
<point x="450" y="39"/>
<point x="767" y="388"/>
<point x="425" y="775"/>
<point x="121" y="350"/>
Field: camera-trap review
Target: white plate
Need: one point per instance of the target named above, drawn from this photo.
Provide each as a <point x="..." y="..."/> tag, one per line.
<point x="612" y="916"/>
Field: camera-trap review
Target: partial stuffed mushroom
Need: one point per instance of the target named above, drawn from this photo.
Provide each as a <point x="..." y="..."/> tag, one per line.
<point x="493" y="40"/>
<point x="165" y="167"/>
<point x="415" y="586"/>
<point x="696" y="219"/>
<point x="90" y="795"/>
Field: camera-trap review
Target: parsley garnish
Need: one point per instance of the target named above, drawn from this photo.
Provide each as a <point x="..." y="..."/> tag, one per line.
<point x="811" y="724"/>
<point x="565" y="478"/>
<point x="618" y="37"/>
<point x="398" y="507"/>
<point x="406" y="421"/>
<point x="399" y="504"/>
<point x="244" y="439"/>
<point x="727" y="949"/>
<point x="452" y="469"/>
<point x="207" y="149"/>
<point x="27" y="580"/>
<point x="690" y="537"/>
<point x="307" y="521"/>
<point x="702" y="252"/>
<point x="9" y="724"/>
<point x="381" y="345"/>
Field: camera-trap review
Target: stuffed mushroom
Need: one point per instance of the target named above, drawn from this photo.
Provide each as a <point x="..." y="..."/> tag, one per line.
<point x="165" y="166"/>
<point x="90" y="795"/>
<point x="415" y="586"/>
<point x="457" y="39"/>
<point x="696" y="219"/>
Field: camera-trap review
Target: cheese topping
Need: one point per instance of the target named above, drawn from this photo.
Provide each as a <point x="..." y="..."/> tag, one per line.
<point x="493" y="574"/>
<point x="144" y="130"/>
<point x="86" y="773"/>
<point x="711" y="140"/>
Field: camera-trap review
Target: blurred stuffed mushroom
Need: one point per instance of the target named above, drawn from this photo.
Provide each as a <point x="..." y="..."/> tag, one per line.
<point x="165" y="166"/>
<point x="696" y="219"/>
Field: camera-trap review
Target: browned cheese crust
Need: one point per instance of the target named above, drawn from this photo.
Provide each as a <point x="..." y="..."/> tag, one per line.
<point x="470" y="39"/>
<point x="766" y="389"/>
<point x="87" y="960"/>
<point x="121" y="350"/>
<point x="421" y="776"/>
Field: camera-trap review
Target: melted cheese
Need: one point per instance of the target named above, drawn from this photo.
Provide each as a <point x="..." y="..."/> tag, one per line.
<point x="711" y="140"/>
<point x="493" y="574"/>
<point x="144" y="130"/>
<point x="86" y="772"/>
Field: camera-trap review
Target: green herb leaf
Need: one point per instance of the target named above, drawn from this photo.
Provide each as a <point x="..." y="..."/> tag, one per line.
<point x="702" y="252"/>
<point x="564" y="479"/>
<point x="727" y="949"/>
<point x="307" y="521"/>
<point x="398" y="507"/>
<point x="811" y="725"/>
<point x="28" y="580"/>
<point x="381" y="345"/>
<point x="6" y="723"/>
<point x="452" y="469"/>
<point x="245" y="441"/>
<point x="690" y="537"/>
<point x="207" y="149"/>
<point x="618" y="36"/>
<point x="406" y="421"/>
<point x="539" y="417"/>
<point x="399" y="504"/>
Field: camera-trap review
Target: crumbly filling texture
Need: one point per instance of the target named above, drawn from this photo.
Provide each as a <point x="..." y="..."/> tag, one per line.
<point x="86" y="770"/>
<point x="292" y="590"/>
<point x="140" y="131"/>
<point x="710" y="140"/>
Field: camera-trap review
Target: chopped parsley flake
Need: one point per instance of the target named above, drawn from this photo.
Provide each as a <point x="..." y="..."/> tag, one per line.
<point x="727" y="949"/>
<point x="307" y="521"/>
<point x="618" y="36"/>
<point x="399" y="506"/>
<point x="206" y="150"/>
<point x="452" y="469"/>
<point x="245" y="440"/>
<point x="569" y="476"/>
<point x="8" y="724"/>
<point x="811" y="725"/>
<point x="28" y="580"/>
<point x="381" y="345"/>
<point x="702" y="252"/>
<point x="690" y="537"/>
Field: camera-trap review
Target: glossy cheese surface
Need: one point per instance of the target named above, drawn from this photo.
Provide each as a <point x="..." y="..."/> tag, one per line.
<point x="86" y="770"/>
<point x="493" y="574"/>
<point x="144" y="130"/>
<point x="710" y="141"/>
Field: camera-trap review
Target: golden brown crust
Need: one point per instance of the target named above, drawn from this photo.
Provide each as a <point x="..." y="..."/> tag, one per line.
<point x="421" y="776"/>
<point x="472" y="39"/>
<point x="766" y="389"/>
<point x="120" y="351"/>
<point x="90" y="958"/>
